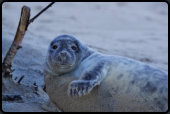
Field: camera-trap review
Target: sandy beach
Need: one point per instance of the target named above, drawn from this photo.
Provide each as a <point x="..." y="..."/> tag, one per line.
<point x="134" y="30"/>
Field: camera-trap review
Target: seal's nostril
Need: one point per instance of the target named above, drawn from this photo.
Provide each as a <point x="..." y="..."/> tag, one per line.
<point x="63" y="53"/>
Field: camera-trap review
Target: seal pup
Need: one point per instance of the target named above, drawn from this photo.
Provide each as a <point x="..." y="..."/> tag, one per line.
<point x="78" y="78"/>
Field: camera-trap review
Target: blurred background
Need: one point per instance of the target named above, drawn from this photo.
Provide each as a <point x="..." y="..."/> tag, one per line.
<point x="138" y="30"/>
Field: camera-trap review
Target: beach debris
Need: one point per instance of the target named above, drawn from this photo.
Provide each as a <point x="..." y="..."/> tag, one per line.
<point x="11" y="97"/>
<point x="16" y="45"/>
<point x="20" y="79"/>
<point x="13" y="91"/>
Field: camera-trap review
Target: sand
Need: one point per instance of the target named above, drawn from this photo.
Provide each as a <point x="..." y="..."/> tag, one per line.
<point x="135" y="30"/>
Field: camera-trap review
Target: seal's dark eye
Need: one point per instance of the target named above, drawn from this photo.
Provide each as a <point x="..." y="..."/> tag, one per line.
<point x="74" y="48"/>
<point x="55" y="47"/>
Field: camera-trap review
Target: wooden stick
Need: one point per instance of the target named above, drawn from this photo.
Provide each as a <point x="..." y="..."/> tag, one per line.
<point x="22" y="27"/>
<point x="6" y="97"/>
<point x="20" y="79"/>
<point x="31" y="20"/>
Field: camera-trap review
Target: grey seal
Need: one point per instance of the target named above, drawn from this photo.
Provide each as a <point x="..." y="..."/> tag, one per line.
<point x="78" y="78"/>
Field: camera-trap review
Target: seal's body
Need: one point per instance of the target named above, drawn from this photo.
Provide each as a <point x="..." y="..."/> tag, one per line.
<point x="80" y="79"/>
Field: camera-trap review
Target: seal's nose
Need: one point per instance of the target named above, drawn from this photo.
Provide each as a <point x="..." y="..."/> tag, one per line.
<point x="62" y="57"/>
<point x="63" y="54"/>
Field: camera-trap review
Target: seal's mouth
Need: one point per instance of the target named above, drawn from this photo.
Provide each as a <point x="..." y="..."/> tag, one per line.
<point x="64" y="66"/>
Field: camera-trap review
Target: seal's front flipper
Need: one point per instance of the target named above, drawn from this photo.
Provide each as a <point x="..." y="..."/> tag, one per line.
<point x="80" y="87"/>
<point x="88" y="80"/>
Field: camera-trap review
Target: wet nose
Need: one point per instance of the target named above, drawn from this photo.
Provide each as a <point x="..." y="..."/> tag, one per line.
<point x="62" y="57"/>
<point x="63" y="54"/>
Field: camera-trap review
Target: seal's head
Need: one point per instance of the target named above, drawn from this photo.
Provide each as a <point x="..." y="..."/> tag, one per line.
<point x="64" y="53"/>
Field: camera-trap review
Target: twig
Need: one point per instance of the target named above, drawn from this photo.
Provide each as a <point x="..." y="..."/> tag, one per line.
<point x="44" y="87"/>
<point x="7" y="81"/>
<point x="15" y="78"/>
<point x="31" y="20"/>
<point x="6" y="97"/>
<point x="22" y="27"/>
<point x="20" y="79"/>
<point x="35" y="86"/>
<point x="12" y="70"/>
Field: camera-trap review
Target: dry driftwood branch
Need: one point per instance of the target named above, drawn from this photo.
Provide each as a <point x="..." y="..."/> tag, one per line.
<point x="22" y="27"/>
<point x="14" y="91"/>
<point x="7" y="81"/>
